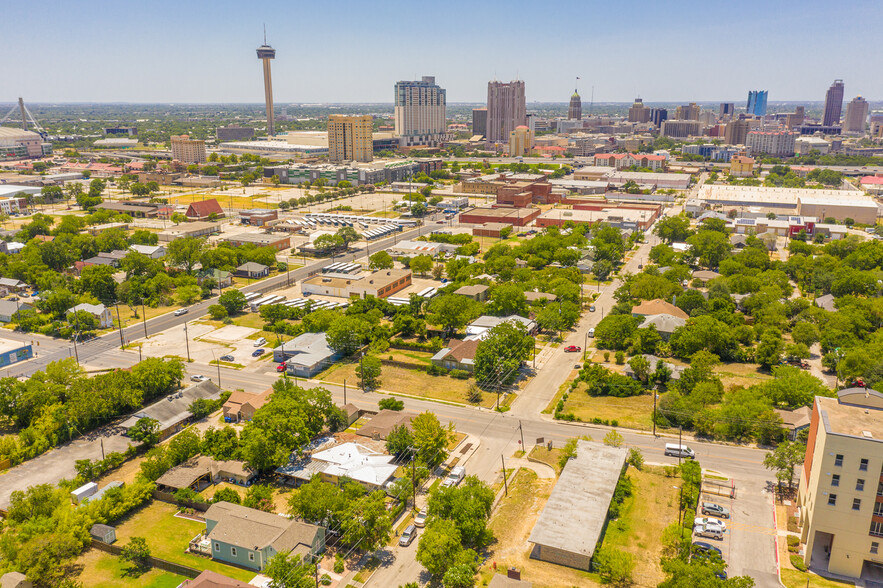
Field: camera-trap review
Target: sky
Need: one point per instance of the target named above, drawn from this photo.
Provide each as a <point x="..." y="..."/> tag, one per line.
<point x="190" y="51"/>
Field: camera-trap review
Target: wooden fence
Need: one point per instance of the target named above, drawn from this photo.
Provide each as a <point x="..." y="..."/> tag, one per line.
<point x="166" y="497"/>
<point x="154" y="562"/>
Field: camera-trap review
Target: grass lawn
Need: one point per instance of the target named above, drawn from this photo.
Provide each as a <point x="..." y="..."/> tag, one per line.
<point x="741" y="374"/>
<point x="130" y="318"/>
<point x="644" y="516"/>
<point x="635" y="412"/>
<point x="796" y="579"/>
<point x="168" y="537"/>
<point x="103" y="570"/>
<point x="207" y="493"/>
<point x="550" y="457"/>
<point x="512" y="523"/>
<point x="409" y="381"/>
<point x="248" y="319"/>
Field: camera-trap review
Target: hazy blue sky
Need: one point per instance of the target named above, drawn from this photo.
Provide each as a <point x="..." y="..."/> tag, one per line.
<point x="354" y="51"/>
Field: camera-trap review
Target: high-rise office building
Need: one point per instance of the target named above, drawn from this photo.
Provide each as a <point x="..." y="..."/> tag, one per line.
<point x="687" y="112"/>
<point x="727" y="109"/>
<point x="795" y="119"/>
<point x="658" y="116"/>
<point x="833" y="104"/>
<point x="757" y="102"/>
<point x="856" y="116"/>
<point x="479" y="121"/>
<point x="575" y="110"/>
<point x="187" y="150"/>
<point x="736" y="132"/>
<point x="265" y="54"/>
<point x="776" y="143"/>
<point x="506" y="109"/>
<point x="638" y="112"/>
<point x="420" y="112"/>
<point x="350" y="138"/>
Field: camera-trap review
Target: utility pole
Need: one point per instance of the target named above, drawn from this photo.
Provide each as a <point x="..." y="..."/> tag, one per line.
<point x="505" y="484"/>
<point x="344" y="392"/>
<point x="521" y="430"/>
<point x="680" y="430"/>
<point x="120" y="323"/>
<point x="144" y="317"/>
<point x="655" y="393"/>
<point x="414" y="474"/>
<point x="187" y="341"/>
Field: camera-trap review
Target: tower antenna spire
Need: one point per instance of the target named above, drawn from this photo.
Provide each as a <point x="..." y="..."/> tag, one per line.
<point x="265" y="33"/>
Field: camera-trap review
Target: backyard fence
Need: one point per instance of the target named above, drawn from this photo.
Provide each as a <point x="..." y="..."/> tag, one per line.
<point x="170" y="498"/>
<point x="154" y="562"/>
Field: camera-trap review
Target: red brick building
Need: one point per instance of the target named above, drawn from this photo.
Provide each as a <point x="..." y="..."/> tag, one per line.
<point x="517" y="217"/>
<point x="203" y="210"/>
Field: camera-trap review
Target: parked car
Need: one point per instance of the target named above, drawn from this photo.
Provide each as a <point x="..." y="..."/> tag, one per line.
<point x="258" y="352"/>
<point x="592" y="332"/>
<point x="703" y="547"/>
<point x="573" y="349"/>
<point x="715" y="510"/>
<point x="281" y="367"/>
<point x="260" y="342"/>
<point x="710" y="521"/>
<point x="13" y="298"/>
<point x="420" y="519"/>
<point x="198" y="378"/>
<point x="408" y="535"/>
<point x="591" y="308"/>
<point x="710" y="531"/>
<point x="181" y="311"/>
<point x="228" y="358"/>
<point x="454" y="477"/>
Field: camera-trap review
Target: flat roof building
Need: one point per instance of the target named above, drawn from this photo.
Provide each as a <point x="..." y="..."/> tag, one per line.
<point x="518" y="217"/>
<point x="277" y="241"/>
<point x="571" y="523"/>
<point x="194" y="229"/>
<point x="379" y="284"/>
<point x="187" y="150"/>
<point x="350" y="138"/>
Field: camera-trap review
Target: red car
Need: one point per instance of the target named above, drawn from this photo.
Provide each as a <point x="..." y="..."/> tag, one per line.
<point x="572" y="349"/>
<point x="281" y="367"/>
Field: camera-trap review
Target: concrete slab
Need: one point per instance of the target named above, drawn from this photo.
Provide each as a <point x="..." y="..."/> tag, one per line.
<point x="231" y="333"/>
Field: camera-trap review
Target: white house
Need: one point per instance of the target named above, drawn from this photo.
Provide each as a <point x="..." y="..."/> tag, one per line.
<point x="99" y="311"/>
<point x="151" y="251"/>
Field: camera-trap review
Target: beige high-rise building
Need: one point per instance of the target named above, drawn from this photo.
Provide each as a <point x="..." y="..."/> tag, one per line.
<point x="520" y="141"/>
<point x="638" y="112"/>
<point x="187" y="150"/>
<point x="350" y="138"/>
<point x="688" y="112"/>
<point x="841" y="485"/>
<point x="506" y="109"/>
<point x="856" y="116"/>
<point x="420" y="112"/>
<point x="736" y="132"/>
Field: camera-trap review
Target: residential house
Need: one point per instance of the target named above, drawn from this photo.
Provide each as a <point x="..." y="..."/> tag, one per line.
<point x="15" y="580"/>
<point x="658" y="306"/>
<point x="248" y="537"/>
<point x="223" y="278"/>
<point x="476" y="292"/>
<point x="173" y="412"/>
<point x="665" y="324"/>
<point x="532" y="296"/>
<point x="101" y="260"/>
<point x="210" y="579"/>
<point x="242" y="405"/>
<point x="151" y="251"/>
<point x="252" y="270"/>
<point x="458" y="355"/>
<point x="99" y="311"/>
<point x="8" y="308"/>
<point x="350" y="461"/>
<point x="352" y="413"/>
<point x="384" y="422"/>
<point x="705" y="276"/>
<point x="795" y="420"/>
<point x="204" y="210"/>
<point x="480" y="326"/>
<point x="202" y="471"/>
<point x="306" y="355"/>
<point x="654" y="361"/>
<point x="826" y="302"/>
<point x="10" y="285"/>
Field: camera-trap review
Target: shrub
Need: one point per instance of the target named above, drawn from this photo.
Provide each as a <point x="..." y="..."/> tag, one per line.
<point x="459" y="374"/>
<point x="606" y="356"/>
<point x="635" y="458"/>
<point x="793" y="543"/>
<point x="797" y="562"/>
<point x="620" y="357"/>
<point x="338" y="565"/>
<point x="391" y="404"/>
<point x="436" y="370"/>
<point x="475" y="396"/>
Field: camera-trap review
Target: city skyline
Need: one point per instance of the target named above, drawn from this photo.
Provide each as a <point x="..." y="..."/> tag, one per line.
<point x="146" y="64"/>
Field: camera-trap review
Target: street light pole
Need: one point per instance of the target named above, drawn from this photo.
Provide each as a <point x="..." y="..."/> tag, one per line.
<point x="144" y="317"/>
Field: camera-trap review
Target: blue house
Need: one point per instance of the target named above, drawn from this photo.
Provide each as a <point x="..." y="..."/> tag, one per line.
<point x="249" y="538"/>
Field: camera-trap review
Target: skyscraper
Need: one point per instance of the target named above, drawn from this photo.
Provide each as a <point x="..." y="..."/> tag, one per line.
<point x="658" y="116"/>
<point x="350" y="138"/>
<point x="575" y="110"/>
<point x="726" y="109"/>
<point x="856" y="116"/>
<point x="479" y="121"/>
<point x="736" y="132"/>
<point x="833" y="104"/>
<point x="265" y="54"/>
<point x="506" y="109"/>
<point x="687" y="112"/>
<point x="420" y="112"/>
<point x="638" y="112"/>
<point x="757" y="102"/>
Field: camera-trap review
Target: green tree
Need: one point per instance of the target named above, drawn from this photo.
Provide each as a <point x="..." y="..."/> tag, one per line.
<point x="137" y="553"/>
<point x="783" y="459"/>
<point x="673" y="228"/>
<point x="769" y="350"/>
<point x="185" y="252"/>
<point x="217" y="312"/>
<point x="439" y="546"/>
<point x="233" y="301"/>
<point x="368" y="371"/>
<point x="145" y="430"/>
<point x="347" y="235"/>
<point x="805" y="333"/>
<point x="421" y="264"/>
<point x="391" y="404"/>
<point x="288" y="571"/>
<point x="227" y="495"/>
<point x="641" y="367"/>
<point x="614" y="566"/>
<point x="347" y="334"/>
<point x="380" y="261"/>
<point x="260" y="497"/>
<point x="431" y="439"/>
<point x="399" y="441"/>
<point x="367" y="523"/>
<point x="613" y="438"/>
<point x="710" y="247"/>
<point x="452" y="312"/>
<point x="469" y="506"/>
<point x="506" y="300"/>
<point x="499" y="355"/>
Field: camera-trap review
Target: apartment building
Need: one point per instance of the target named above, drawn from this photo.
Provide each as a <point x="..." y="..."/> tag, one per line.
<point x="420" y="112"/>
<point x="841" y="486"/>
<point x="506" y="109"/>
<point x="350" y="138"/>
<point x="681" y="129"/>
<point x="778" y="144"/>
<point x="187" y="150"/>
